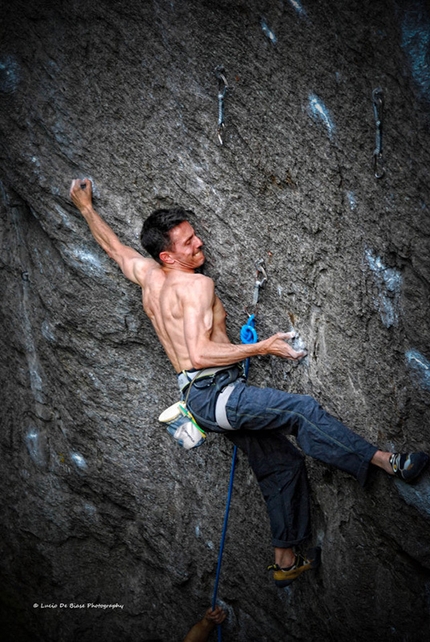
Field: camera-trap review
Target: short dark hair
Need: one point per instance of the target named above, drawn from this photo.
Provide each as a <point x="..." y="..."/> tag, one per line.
<point x="155" y="235"/>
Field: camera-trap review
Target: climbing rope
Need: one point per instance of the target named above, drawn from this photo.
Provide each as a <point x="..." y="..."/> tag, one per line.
<point x="224" y="532"/>
<point x="248" y="334"/>
<point x="378" y="108"/>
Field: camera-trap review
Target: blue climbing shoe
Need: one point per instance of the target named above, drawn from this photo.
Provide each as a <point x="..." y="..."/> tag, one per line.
<point x="285" y="576"/>
<point x="409" y="466"/>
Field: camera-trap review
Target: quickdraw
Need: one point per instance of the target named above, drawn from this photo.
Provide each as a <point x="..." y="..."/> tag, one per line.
<point x="222" y="90"/>
<point x="378" y="108"/>
<point x="260" y="281"/>
<point x="248" y="333"/>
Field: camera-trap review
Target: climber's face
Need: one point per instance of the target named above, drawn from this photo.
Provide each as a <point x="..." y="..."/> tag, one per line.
<point x="186" y="251"/>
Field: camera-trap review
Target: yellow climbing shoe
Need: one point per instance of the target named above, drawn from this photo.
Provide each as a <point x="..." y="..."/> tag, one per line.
<point x="285" y="576"/>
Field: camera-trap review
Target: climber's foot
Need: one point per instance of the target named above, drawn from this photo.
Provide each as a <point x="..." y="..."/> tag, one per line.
<point x="285" y="576"/>
<point x="408" y="466"/>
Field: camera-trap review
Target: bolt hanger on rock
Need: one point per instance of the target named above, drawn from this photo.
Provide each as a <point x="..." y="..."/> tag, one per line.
<point x="378" y="108"/>
<point x="222" y="90"/>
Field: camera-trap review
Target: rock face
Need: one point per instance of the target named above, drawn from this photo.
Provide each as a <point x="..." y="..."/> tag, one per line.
<point x="106" y="524"/>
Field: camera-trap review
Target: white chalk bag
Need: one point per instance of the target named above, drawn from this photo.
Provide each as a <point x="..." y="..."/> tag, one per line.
<point x="182" y="426"/>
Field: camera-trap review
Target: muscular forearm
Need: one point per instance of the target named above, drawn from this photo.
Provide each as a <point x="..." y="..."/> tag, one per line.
<point x="81" y="193"/>
<point x="224" y="354"/>
<point x="210" y="354"/>
<point x="200" y="631"/>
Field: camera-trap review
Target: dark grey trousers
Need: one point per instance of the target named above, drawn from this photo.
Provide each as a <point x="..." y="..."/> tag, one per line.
<point x="256" y="416"/>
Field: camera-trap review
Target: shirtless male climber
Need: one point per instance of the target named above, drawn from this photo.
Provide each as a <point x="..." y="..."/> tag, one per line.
<point x="189" y="320"/>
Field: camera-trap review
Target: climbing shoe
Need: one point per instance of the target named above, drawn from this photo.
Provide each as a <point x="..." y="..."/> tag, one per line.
<point x="285" y="576"/>
<point x="409" y="466"/>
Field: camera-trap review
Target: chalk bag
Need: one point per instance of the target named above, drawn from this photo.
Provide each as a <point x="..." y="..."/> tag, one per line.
<point x="182" y="426"/>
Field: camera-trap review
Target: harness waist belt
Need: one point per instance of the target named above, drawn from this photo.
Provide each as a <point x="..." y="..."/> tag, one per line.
<point x="187" y="376"/>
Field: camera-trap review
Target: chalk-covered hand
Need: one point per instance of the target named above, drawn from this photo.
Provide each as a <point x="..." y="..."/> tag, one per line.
<point x="277" y="346"/>
<point x="81" y="193"/>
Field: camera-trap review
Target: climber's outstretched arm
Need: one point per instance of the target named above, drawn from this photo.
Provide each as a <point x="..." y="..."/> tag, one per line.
<point x="133" y="265"/>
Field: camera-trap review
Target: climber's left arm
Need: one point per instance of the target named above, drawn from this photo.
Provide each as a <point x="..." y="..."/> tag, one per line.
<point x="133" y="265"/>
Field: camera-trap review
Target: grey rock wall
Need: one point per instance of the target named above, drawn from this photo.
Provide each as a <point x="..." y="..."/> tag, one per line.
<point x="99" y="506"/>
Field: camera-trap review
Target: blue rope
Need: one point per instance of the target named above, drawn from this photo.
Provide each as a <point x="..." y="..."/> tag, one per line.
<point x="248" y="334"/>
<point x="224" y="532"/>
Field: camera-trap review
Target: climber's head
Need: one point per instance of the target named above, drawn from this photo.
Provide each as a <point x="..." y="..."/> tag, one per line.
<point x="171" y="240"/>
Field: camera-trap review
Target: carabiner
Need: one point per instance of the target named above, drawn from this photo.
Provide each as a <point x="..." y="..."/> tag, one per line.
<point x="378" y="159"/>
<point x="260" y="281"/>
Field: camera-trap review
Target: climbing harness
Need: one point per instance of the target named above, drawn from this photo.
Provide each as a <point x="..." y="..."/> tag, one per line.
<point x="378" y="109"/>
<point x="222" y="90"/>
<point x="181" y="424"/>
<point x="248" y="334"/>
